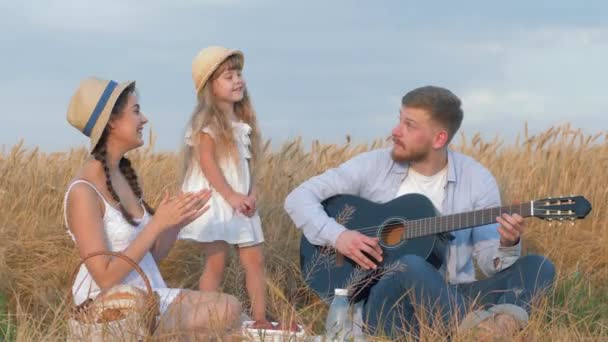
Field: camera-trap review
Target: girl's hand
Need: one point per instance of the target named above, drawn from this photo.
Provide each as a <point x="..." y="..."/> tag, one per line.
<point x="178" y="211"/>
<point x="250" y="202"/>
<point x="237" y="202"/>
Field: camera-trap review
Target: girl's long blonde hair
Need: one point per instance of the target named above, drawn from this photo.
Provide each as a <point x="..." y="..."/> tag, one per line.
<point x="207" y="114"/>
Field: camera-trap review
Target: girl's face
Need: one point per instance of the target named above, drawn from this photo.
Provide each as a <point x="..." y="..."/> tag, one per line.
<point x="128" y="126"/>
<point x="229" y="86"/>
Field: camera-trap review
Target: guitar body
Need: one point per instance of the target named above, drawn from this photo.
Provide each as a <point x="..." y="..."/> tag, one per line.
<point x="320" y="266"/>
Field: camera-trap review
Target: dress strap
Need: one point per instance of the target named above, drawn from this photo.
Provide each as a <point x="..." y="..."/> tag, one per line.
<point x="65" y="201"/>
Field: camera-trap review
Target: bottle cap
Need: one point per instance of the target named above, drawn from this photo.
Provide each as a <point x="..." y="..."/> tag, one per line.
<point x="341" y="292"/>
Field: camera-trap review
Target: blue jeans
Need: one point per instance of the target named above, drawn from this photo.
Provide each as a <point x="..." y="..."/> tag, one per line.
<point x="394" y="302"/>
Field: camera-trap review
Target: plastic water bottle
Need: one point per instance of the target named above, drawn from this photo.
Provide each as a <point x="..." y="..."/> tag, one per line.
<point x="339" y="323"/>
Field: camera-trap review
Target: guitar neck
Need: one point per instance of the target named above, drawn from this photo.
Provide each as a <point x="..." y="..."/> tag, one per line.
<point x="448" y="223"/>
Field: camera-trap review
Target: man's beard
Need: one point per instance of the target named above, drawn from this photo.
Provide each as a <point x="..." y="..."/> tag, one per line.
<point x="408" y="157"/>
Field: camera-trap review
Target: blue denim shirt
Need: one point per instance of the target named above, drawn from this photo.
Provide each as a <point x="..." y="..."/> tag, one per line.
<point x="377" y="177"/>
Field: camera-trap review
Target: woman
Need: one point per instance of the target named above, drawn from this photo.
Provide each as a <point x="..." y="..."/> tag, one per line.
<point x="105" y="210"/>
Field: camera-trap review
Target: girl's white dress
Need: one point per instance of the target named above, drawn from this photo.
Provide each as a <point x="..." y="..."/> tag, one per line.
<point x="119" y="235"/>
<point x="221" y="222"/>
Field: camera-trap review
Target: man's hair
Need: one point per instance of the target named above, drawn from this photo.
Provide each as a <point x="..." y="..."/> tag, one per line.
<point x="442" y="105"/>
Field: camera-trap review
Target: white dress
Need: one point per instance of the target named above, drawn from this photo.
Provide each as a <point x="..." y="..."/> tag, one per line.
<point x="119" y="235"/>
<point x="220" y="222"/>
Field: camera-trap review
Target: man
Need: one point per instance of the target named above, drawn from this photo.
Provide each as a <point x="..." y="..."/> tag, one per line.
<point x="420" y="162"/>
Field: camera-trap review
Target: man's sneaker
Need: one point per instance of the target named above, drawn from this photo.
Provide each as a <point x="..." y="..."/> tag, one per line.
<point x="501" y="321"/>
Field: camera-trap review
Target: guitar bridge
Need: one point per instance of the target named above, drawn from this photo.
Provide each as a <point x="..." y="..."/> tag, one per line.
<point x="339" y="259"/>
<point x="328" y="251"/>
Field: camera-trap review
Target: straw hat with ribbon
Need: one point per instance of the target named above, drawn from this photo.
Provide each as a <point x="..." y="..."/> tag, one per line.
<point x="91" y="106"/>
<point x="207" y="61"/>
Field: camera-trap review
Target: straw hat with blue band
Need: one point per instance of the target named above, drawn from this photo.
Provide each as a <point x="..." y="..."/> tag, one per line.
<point x="91" y="106"/>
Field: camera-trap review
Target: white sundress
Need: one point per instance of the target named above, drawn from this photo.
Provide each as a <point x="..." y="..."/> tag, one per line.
<point x="220" y="222"/>
<point x="119" y="235"/>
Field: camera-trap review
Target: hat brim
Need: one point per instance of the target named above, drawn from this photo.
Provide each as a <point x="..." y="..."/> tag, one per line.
<point x="101" y="123"/>
<point x="214" y="67"/>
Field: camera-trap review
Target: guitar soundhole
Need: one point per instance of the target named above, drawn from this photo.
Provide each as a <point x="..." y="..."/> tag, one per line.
<point x="392" y="232"/>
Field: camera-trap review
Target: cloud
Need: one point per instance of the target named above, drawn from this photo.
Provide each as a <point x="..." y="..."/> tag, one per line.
<point x="320" y="70"/>
<point x="517" y="105"/>
<point x="85" y="16"/>
<point x="544" y="76"/>
<point x="110" y="17"/>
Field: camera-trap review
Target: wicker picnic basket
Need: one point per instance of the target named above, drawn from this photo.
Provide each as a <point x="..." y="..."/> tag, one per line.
<point x="123" y="312"/>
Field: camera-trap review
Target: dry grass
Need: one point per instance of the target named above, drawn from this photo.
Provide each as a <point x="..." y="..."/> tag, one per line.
<point x="36" y="255"/>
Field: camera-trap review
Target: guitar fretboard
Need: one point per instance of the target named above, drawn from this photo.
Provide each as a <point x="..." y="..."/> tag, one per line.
<point x="448" y="223"/>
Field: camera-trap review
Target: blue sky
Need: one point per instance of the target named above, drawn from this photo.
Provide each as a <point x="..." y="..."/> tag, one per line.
<point x="316" y="69"/>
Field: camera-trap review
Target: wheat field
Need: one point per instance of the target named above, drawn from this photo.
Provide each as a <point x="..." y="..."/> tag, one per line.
<point x="37" y="256"/>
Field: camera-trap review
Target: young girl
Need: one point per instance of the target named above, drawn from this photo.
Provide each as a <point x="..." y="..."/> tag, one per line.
<point x="105" y="211"/>
<point x="221" y="147"/>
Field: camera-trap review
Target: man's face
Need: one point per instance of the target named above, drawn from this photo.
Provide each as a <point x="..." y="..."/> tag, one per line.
<point x="414" y="135"/>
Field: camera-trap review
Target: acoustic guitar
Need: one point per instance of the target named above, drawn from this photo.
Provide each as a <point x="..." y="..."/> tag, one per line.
<point x="407" y="225"/>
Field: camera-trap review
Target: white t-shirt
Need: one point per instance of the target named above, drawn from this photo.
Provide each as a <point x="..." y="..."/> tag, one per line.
<point x="432" y="187"/>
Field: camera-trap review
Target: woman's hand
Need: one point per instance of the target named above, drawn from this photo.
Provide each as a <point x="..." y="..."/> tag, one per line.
<point x="178" y="211"/>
